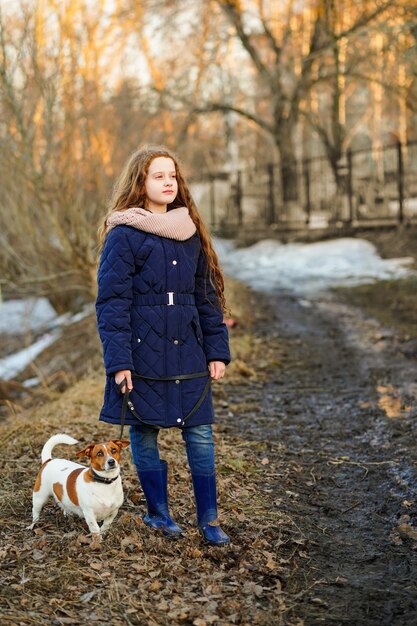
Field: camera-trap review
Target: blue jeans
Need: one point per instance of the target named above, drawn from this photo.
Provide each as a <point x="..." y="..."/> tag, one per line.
<point x="199" y="446"/>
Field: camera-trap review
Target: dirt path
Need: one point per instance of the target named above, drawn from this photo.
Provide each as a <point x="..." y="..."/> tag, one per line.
<point x="343" y="406"/>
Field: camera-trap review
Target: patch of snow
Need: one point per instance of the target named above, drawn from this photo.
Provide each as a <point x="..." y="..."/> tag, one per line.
<point x="34" y="314"/>
<point x="13" y="364"/>
<point x="19" y="316"/>
<point x="309" y="268"/>
<point x="31" y="382"/>
<point x="87" y="310"/>
<point x="67" y="318"/>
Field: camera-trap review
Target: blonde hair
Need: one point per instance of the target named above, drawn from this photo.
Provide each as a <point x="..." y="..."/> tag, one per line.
<point x="129" y="191"/>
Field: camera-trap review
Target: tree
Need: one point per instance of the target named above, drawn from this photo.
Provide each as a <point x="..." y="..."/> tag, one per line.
<point x="63" y="113"/>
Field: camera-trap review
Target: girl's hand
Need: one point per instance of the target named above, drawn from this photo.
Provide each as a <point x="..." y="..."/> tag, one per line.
<point x="119" y="376"/>
<point x="217" y="369"/>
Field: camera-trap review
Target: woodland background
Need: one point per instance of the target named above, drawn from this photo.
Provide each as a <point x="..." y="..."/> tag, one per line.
<point x="226" y="84"/>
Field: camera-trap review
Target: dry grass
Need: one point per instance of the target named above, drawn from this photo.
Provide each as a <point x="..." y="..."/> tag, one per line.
<point x="391" y="302"/>
<point x="52" y="576"/>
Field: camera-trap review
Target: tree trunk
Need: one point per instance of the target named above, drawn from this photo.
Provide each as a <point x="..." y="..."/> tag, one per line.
<point x="284" y="140"/>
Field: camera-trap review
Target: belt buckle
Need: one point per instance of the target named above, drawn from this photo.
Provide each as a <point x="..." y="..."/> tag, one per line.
<point x="170" y="298"/>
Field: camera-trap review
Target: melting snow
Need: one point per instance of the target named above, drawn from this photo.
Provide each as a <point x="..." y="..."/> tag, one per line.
<point x="268" y="265"/>
<point x="308" y="268"/>
<point x="11" y="365"/>
<point x="33" y="314"/>
<point x="19" y="316"/>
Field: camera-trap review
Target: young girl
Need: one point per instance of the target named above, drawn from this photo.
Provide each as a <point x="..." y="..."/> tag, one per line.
<point x="160" y="310"/>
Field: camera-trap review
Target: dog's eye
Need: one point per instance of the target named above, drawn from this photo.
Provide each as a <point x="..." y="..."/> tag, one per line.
<point x="114" y="450"/>
<point x="100" y="453"/>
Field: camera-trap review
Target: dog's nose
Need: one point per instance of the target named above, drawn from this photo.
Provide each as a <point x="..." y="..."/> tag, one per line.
<point x="111" y="462"/>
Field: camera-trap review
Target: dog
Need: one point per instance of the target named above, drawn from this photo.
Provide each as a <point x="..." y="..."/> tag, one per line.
<point x="94" y="492"/>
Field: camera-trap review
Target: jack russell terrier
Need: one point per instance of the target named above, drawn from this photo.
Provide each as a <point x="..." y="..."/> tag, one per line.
<point x="94" y="492"/>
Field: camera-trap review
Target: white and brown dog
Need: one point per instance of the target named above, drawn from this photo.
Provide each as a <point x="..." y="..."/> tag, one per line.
<point x="94" y="492"/>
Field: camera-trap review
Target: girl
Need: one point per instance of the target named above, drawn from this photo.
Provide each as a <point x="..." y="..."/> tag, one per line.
<point x="159" y="311"/>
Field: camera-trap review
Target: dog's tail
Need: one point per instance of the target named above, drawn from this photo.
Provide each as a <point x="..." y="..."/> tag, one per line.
<point x="54" y="441"/>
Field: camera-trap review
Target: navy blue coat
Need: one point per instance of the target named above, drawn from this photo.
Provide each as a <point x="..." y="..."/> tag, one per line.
<point x="140" y="331"/>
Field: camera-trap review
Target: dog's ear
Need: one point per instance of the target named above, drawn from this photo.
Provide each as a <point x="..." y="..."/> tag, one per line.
<point x="122" y="443"/>
<point x="86" y="452"/>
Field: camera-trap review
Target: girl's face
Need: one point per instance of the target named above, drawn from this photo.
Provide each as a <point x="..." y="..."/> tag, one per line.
<point x="161" y="184"/>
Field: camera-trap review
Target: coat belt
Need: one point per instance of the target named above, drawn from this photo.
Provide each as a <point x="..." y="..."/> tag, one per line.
<point x="169" y="298"/>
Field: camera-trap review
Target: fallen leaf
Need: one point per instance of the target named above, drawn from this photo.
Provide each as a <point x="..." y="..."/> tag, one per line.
<point x="83" y="540"/>
<point x="196" y="553"/>
<point x="405" y="530"/>
<point x="155" y="586"/>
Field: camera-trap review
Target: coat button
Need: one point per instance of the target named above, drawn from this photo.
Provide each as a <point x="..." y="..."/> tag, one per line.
<point x="138" y="340"/>
<point x="176" y="342"/>
<point x="177" y="382"/>
<point x="179" y="420"/>
<point x="174" y="262"/>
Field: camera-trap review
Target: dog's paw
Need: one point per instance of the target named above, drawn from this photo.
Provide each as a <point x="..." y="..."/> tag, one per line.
<point x="96" y="541"/>
<point x="31" y="526"/>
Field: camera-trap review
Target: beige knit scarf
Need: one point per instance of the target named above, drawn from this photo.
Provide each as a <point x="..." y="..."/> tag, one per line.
<point x="174" y="224"/>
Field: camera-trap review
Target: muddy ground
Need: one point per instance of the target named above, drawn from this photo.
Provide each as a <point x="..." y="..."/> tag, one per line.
<point x="343" y="406"/>
<point x="317" y="477"/>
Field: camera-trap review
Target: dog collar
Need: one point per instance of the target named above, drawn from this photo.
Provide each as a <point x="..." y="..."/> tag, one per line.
<point x="101" y="479"/>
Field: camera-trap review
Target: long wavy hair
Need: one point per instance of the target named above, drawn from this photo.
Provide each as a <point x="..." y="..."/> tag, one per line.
<point x="129" y="191"/>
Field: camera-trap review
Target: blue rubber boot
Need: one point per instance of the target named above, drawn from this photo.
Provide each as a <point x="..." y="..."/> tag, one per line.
<point x="206" y="502"/>
<point x="154" y="484"/>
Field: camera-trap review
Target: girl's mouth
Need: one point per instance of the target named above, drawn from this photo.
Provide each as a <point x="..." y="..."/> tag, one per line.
<point x="168" y="191"/>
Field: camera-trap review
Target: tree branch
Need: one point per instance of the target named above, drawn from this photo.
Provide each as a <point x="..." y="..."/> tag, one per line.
<point x="232" y="10"/>
<point x="274" y="44"/>
<point x="211" y="107"/>
<point x="218" y="106"/>
<point x="363" y="21"/>
<point x="314" y="123"/>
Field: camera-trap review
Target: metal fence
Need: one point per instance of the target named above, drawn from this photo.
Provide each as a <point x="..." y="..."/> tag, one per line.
<point x="374" y="186"/>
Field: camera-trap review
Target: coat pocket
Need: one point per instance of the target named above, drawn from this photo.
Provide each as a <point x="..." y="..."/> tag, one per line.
<point x="139" y="334"/>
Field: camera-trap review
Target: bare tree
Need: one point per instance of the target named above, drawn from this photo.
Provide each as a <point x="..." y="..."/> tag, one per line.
<point x="64" y="113"/>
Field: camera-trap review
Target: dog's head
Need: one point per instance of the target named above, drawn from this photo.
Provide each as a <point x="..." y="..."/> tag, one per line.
<point x="104" y="456"/>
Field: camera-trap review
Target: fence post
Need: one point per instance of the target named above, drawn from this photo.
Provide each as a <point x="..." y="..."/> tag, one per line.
<point x="400" y="182"/>
<point x="350" y="184"/>
<point x="239" y="198"/>
<point x="270" y="214"/>
<point x="306" y="172"/>
<point x="212" y="201"/>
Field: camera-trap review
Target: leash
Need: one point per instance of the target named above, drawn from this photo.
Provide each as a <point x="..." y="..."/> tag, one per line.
<point x="128" y="404"/>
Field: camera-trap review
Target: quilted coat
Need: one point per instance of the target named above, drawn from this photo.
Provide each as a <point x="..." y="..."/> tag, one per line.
<point x="158" y="315"/>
